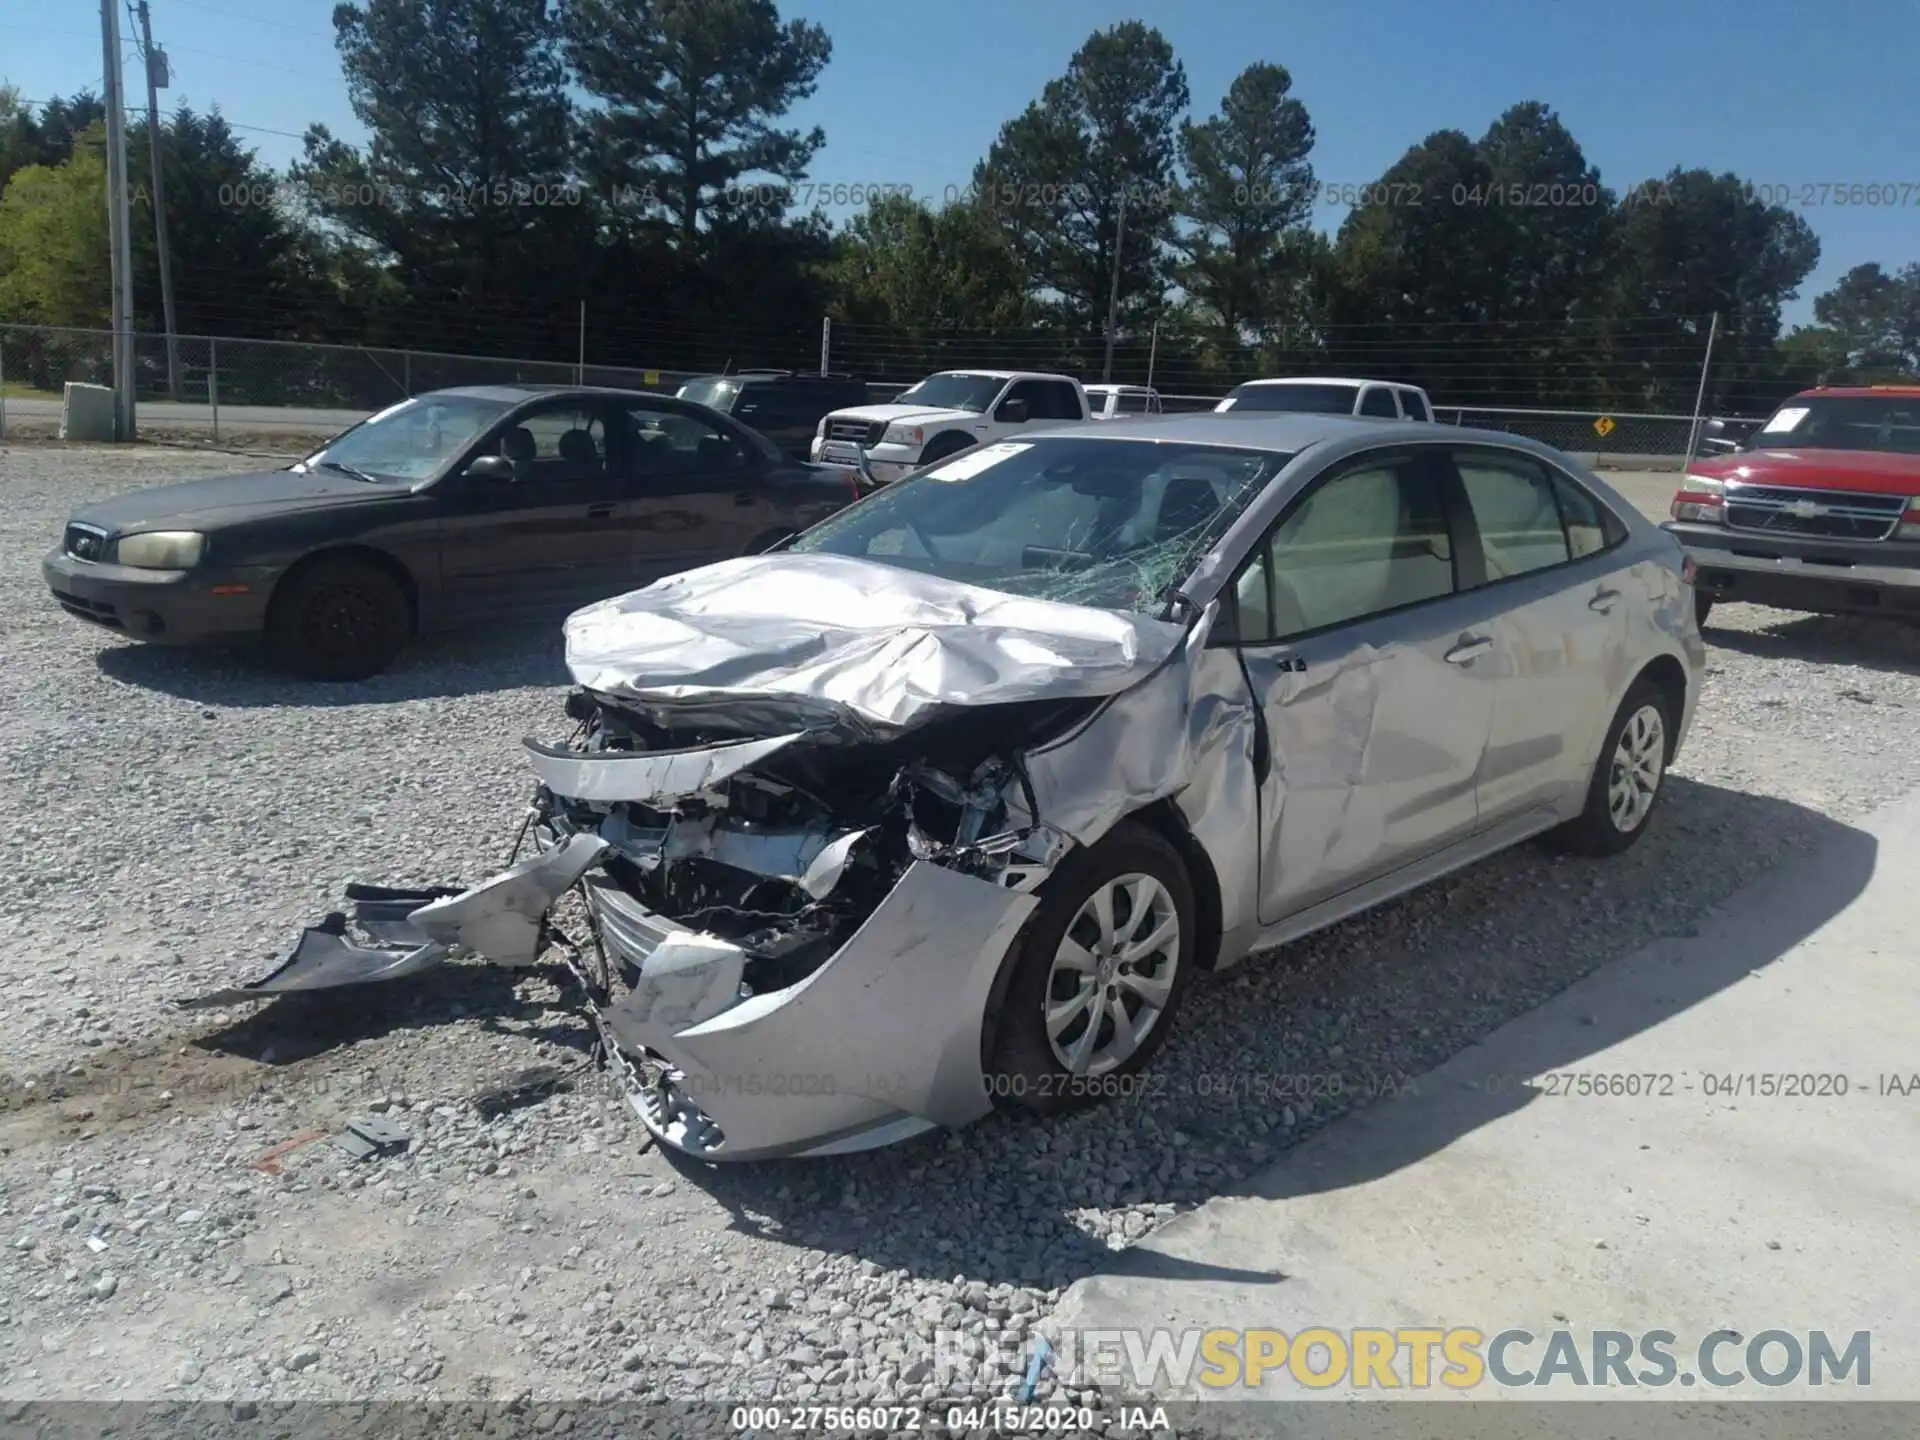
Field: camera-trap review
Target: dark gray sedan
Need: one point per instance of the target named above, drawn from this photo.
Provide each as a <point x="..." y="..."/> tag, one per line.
<point x="458" y="508"/>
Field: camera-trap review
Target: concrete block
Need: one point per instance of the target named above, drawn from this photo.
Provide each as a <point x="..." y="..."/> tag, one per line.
<point x="87" y="413"/>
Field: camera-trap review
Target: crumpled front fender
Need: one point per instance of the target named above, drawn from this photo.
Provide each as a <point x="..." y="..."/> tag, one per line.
<point x="886" y="1033"/>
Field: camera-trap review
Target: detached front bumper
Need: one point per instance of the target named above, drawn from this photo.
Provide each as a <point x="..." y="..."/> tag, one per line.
<point x="177" y="607"/>
<point x="881" y="1042"/>
<point x="1796" y="572"/>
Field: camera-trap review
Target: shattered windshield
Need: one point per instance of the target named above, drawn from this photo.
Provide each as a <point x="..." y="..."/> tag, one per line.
<point x="411" y="440"/>
<point x="1113" y="524"/>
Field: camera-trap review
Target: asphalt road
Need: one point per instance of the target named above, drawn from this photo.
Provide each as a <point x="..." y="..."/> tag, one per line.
<point x="295" y="419"/>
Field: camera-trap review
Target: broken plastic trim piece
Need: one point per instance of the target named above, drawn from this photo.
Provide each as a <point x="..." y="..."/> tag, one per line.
<point x="415" y="930"/>
<point x="645" y="777"/>
<point x="499" y="920"/>
<point x="323" y="960"/>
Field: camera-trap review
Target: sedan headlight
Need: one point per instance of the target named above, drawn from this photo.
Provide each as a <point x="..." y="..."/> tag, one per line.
<point x="903" y="435"/>
<point x="1701" y="500"/>
<point x="161" y="550"/>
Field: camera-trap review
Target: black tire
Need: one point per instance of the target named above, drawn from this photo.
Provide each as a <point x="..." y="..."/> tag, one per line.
<point x="1600" y="828"/>
<point x="1024" y="1074"/>
<point x="340" y="618"/>
<point x="942" y="446"/>
<point x="1702" y="607"/>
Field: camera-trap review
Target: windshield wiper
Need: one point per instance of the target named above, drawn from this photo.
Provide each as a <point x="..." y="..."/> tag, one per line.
<point x="348" y="470"/>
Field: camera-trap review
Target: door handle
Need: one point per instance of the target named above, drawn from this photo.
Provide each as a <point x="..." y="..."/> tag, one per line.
<point x="1603" y="600"/>
<point x="744" y="497"/>
<point x="601" y="511"/>
<point x="1469" y="649"/>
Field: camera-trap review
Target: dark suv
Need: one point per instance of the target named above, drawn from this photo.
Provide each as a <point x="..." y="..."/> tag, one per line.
<point x="783" y="406"/>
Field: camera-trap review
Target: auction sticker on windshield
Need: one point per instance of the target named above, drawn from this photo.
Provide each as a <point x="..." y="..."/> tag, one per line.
<point x="1785" y="421"/>
<point x="965" y="467"/>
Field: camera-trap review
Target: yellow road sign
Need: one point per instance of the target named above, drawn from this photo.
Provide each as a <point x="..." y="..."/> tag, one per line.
<point x="1603" y="426"/>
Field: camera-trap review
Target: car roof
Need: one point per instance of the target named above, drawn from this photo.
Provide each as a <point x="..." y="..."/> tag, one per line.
<point x="1855" y="392"/>
<point x="987" y="374"/>
<point x="1327" y="380"/>
<point x="514" y="394"/>
<point x="1281" y="430"/>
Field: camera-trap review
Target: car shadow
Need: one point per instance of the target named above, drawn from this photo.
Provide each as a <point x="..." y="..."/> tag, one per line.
<point x="296" y="1027"/>
<point x="508" y="657"/>
<point x="1870" y="641"/>
<point x="1007" y="1200"/>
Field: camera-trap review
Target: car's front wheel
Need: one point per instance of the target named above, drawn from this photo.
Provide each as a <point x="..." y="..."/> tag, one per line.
<point x="1628" y="777"/>
<point x="1097" y="977"/>
<point x="339" y="618"/>
<point x="942" y="447"/>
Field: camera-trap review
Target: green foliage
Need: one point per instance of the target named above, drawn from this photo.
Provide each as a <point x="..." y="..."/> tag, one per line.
<point x="1247" y="198"/>
<point x="1056" y="178"/>
<point x="525" y="156"/>
<point x="465" y="187"/>
<point x="690" y="92"/>
<point x="53" y="241"/>
<point x="1873" y="319"/>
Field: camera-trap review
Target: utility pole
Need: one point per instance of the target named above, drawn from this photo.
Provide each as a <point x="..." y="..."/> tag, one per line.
<point x="1113" y="290"/>
<point x="119" y="227"/>
<point x="157" y="80"/>
<point x="1700" y="396"/>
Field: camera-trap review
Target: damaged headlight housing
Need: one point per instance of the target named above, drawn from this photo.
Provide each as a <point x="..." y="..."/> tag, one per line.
<point x="161" y="550"/>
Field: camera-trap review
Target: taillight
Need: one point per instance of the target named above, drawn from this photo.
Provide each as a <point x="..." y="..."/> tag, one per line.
<point x="1909" y="526"/>
<point x="1701" y="500"/>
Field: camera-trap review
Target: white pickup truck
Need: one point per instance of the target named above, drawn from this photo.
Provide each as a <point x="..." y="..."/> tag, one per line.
<point x="1329" y="396"/>
<point x="946" y="413"/>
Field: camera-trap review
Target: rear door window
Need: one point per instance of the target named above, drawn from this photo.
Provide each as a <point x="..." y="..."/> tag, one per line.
<point x="1379" y="401"/>
<point x="1414" y="406"/>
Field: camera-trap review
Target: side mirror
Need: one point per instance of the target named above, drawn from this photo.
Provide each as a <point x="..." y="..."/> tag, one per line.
<point x="490" y="468"/>
<point x="1012" y="412"/>
<point x="1716" y="427"/>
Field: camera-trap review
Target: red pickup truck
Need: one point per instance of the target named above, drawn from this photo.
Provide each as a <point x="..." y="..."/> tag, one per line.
<point x="1818" y="510"/>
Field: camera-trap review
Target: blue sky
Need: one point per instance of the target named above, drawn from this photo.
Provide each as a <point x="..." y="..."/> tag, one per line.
<point x="1788" y="95"/>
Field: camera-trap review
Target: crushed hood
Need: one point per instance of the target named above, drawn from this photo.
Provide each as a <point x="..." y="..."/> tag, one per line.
<point x="834" y="640"/>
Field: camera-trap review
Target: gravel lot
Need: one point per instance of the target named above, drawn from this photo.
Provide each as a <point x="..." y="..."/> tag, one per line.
<point x="172" y="819"/>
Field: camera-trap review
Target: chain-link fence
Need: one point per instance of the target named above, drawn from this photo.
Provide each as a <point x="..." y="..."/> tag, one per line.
<point x="220" y="385"/>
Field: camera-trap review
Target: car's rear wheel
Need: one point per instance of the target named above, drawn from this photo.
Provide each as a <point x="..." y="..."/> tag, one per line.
<point x="1097" y="977"/>
<point x="1628" y="778"/>
<point x="339" y="618"/>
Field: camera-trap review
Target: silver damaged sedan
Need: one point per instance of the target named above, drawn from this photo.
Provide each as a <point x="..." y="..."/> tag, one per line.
<point x="941" y="807"/>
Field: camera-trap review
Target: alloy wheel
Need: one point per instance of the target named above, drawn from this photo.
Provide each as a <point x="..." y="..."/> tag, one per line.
<point x="1112" y="974"/>
<point x="1639" y="762"/>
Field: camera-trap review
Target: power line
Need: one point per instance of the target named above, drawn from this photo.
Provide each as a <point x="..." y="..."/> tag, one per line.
<point x="254" y="19"/>
<point x="142" y="114"/>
